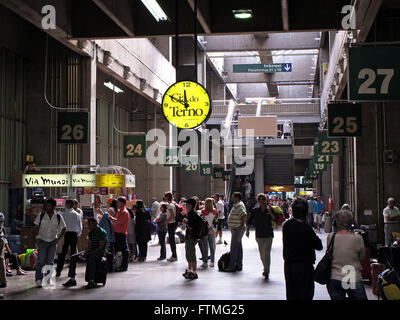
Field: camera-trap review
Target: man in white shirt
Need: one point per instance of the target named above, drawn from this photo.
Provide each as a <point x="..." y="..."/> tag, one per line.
<point x="50" y="227"/>
<point x="73" y="221"/>
<point x="172" y="225"/>
<point x="286" y="130"/>
<point x="391" y="215"/>
<point x="76" y="207"/>
<point x="221" y="216"/>
<point x="155" y="208"/>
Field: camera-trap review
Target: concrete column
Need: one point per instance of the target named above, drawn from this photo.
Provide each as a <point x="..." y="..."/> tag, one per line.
<point x="259" y="175"/>
<point x="93" y="108"/>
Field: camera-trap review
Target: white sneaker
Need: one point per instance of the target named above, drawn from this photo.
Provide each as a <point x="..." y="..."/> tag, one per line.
<point x="220" y="241"/>
<point x="204" y="265"/>
<point x="211" y="264"/>
<point x="38" y="283"/>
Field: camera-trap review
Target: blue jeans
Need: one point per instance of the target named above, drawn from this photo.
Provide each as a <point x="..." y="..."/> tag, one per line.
<point x="208" y="241"/>
<point x="161" y="238"/>
<point x="236" y="259"/>
<point x="336" y="291"/>
<point x="46" y="255"/>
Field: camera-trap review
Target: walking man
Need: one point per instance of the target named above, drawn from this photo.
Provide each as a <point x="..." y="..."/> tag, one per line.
<point x="391" y="215"/>
<point x="221" y="216"/>
<point x="50" y="227"/>
<point x="311" y="211"/>
<point x="236" y="222"/>
<point x="73" y="222"/>
<point x="261" y="218"/>
<point x="299" y="245"/>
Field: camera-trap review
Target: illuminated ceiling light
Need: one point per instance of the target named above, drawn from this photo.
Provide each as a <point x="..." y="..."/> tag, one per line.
<point x="155" y="10"/>
<point x="113" y="87"/>
<point x="243" y="14"/>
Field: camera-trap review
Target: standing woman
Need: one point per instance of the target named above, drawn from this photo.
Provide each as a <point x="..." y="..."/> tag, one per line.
<point x="132" y="234"/>
<point x="161" y="221"/>
<point x="348" y="251"/>
<point x="142" y="229"/>
<point x="210" y="214"/>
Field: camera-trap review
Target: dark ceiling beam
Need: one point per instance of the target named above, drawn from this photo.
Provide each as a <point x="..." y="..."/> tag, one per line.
<point x="285" y="15"/>
<point x="200" y="17"/>
<point x="274" y="41"/>
<point x="121" y="13"/>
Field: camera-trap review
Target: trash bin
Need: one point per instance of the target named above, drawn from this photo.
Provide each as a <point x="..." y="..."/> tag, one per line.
<point x="328" y="223"/>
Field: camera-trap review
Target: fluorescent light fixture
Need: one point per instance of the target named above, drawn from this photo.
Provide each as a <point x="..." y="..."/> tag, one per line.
<point x="155" y="10"/>
<point x="113" y="87"/>
<point x="243" y="14"/>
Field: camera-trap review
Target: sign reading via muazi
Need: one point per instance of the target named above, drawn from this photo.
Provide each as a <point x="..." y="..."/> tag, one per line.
<point x="266" y="68"/>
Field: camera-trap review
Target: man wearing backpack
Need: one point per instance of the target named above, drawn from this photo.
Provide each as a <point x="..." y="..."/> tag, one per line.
<point x="172" y="225"/>
<point x="50" y="227"/>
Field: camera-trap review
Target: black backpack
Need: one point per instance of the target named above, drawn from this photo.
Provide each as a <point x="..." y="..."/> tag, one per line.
<point x="204" y="228"/>
<point x="223" y="262"/>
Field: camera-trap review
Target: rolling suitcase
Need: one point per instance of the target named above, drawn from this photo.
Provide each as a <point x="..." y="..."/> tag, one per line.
<point x="101" y="272"/>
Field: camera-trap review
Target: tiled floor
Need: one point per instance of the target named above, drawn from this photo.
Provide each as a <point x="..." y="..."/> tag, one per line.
<point x="164" y="281"/>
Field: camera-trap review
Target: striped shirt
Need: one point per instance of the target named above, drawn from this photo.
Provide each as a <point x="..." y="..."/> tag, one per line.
<point x="235" y="217"/>
<point x="96" y="236"/>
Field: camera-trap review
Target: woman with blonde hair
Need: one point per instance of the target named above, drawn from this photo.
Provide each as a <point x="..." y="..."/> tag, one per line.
<point x="210" y="214"/>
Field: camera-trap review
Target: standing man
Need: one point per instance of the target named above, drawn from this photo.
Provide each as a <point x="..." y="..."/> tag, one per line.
<point x="391" y="215"/>
<point x="286" y="130"/>
<point x="155" y="208"/>
<point x="172" y="225"/>
<point x="221" y="216"/>
<point x="319" y="208"/>
<point x="73" y="221"/>
<point x="261" y="218"/>
<point x="311" y="211"/>
<point x="236" y="222"/>
<point x="247" y="190"/>
<point x="50" y="227"/>
<point x="299" y="245"/>
<point x="77" y="208"/>
<point x="121" y="223"/>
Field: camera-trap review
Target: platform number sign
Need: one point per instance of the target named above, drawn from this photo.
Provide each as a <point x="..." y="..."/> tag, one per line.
<point x="72" y="127"/>
<point x="218" y="173"/>
<point x="374" y="73"/>
<point x="191" y="164"/>
<point x="227" y="175"/>
<point x="329" y="146"/>
<point x="134" y="147"/>
<point x="173" y="157"/>
<point x="206" y="169"/>
<point x="344" y="120"/>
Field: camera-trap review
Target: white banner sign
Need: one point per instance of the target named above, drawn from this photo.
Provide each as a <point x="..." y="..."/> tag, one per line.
<point x="83" y="180"/>
<point x="130" y="181"/>
<point x="46" y="180"/>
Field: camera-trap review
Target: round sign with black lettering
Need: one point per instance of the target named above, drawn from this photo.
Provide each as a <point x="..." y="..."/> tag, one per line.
<point x="186" y="105"/>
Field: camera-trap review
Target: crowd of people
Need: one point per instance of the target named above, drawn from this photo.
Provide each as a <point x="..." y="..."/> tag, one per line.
<point x="125" y="233"/>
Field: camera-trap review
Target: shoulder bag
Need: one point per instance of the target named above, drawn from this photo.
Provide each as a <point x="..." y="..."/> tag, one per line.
<point x="323" y="270"/>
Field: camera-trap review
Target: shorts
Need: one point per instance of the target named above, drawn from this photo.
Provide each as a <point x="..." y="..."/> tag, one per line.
<point x="190" y="248"/>
<point x="220" y="224"/>
<point x="317" y="218"/>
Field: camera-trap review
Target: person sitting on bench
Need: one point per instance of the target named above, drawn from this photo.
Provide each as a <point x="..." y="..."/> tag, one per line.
<point x="95" y="251"/>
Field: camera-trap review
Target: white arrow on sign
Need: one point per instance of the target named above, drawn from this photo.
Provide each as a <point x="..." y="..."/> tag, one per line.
<point x="287" y="67"/>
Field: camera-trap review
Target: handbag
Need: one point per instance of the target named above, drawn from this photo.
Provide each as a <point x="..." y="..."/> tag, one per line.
<point x="323" y="270"/>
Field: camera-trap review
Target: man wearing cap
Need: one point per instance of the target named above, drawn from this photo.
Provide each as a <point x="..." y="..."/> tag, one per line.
<point x="3" y="280"/>
<point x="391" y="215"/>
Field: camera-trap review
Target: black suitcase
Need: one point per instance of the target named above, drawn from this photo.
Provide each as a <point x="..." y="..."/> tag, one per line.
<point x="223" y="262"/>
<point x="101" y="271"/>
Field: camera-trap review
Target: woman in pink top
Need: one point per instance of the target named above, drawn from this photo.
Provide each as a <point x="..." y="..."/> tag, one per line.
<point x="210" y="214"/>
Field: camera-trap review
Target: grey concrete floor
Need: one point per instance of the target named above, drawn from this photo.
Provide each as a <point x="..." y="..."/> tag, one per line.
<point x="155" y="280"/>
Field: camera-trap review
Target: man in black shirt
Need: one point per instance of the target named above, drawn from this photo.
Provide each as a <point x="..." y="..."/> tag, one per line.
<point x="299" y="245"/>
<point x="261" y="217"/>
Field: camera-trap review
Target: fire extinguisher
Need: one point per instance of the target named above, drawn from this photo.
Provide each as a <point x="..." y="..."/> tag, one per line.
<point x="330" y="204"/>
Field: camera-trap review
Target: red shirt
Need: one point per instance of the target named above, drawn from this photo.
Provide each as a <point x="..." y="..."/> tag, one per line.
<point x="123" y="218"/>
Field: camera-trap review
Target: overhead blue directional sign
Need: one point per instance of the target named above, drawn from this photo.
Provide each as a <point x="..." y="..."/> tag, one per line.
<point x="259" y="68"/>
